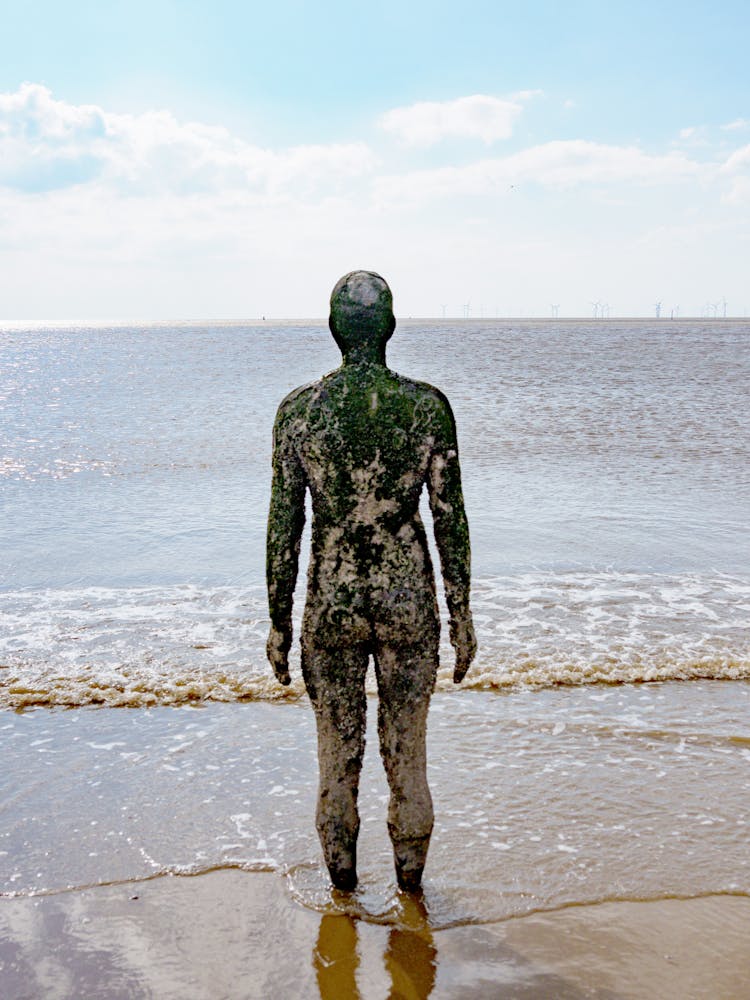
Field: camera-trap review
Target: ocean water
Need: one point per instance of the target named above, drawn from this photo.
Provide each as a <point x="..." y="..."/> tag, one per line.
<point x="606" y="472"/>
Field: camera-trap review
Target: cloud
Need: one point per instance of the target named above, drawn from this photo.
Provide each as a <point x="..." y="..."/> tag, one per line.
<point x="736" y="125"/>
<point x="695" y="136"/>
<point x="739" y="191"/>
<point x="737" y="168"/>
<point x="146" y="214"/>
<point x="477" y="117"/>
<point x="739" y="160"/>
<point x="558" y="164"/>
<point x="46" y="144"/>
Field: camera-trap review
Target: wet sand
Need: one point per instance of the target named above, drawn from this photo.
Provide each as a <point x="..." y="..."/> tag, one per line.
<point x="240" y="935"/>
<point x="542" y="799"/>
<point x="556" y="811"/>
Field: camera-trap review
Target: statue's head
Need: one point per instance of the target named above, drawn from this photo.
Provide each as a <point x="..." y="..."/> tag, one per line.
<point x="362" y="319"/>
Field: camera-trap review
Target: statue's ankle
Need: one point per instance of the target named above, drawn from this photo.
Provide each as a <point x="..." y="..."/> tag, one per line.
<point x="341" y="860"/>
<point x="409" y="879"/>
<point x="409" y="855"/>
<point x="343" y="877"/>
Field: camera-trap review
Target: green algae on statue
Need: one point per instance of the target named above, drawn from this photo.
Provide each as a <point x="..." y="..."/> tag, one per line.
<point x="365" y="441"/>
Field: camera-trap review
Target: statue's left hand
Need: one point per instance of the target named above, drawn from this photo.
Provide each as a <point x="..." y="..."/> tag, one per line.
<point x="464" y="642"/>
<point x="277" y="651"/>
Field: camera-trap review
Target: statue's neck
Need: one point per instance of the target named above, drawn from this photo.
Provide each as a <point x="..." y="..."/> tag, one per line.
<point x="364" y="356"/>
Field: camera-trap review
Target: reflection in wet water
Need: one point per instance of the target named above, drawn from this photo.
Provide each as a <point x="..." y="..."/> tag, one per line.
<point x="411" y="962"/>
<point x="335" y="958"/>
<point x="410" y="958"/>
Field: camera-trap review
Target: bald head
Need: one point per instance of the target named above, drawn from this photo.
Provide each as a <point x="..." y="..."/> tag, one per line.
<point x="362" y="319"/>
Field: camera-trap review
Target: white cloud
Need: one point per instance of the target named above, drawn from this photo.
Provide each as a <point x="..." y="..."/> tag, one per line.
<point x="558" y="164"/>
<point x="739" y="192"/>
<point x="694" y="136"/>
<point x="736" y="125"/>
<point x="32" y="112"/>
<point x="47" y="144"/>
<point x="739" y="160"/>
<point x="146" y="215"/>
<point x="737" y="168"/>
<point x="477" y="117"/>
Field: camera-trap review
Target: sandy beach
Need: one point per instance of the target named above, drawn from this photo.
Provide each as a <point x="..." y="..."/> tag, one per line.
<point x="239" y="935"/>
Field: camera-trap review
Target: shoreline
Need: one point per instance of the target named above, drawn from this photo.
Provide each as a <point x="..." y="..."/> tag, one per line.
<point x="238" y="934"/>
<point x="547" y="798"/>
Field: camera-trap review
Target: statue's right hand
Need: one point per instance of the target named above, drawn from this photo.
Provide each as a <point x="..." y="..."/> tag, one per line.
<point x="277" y="651"/>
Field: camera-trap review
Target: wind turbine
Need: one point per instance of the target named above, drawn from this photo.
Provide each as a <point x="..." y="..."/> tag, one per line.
<point x="467" y="309"/>
<point x="657" y="308"/>
<point x="554" y="309"/>
<point x="724" y="304"/>
<point x="444" y="308"/>
<point x="596" y="309"/>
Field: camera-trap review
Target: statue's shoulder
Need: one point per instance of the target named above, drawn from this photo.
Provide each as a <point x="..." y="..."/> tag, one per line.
<point x="300" y="406"/>
<point x="297" y="401"/>
<point x="427" y="397"/>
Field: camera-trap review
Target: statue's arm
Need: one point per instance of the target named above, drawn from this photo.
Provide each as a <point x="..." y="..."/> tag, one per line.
<point x="452" y="537"/>
<point x="286" y="520"/>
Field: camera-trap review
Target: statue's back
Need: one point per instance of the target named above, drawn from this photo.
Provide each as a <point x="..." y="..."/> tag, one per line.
<point x="365" y="441"/>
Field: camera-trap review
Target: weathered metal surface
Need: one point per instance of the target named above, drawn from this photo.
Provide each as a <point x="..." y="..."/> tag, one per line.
<point x="365" y="442"/>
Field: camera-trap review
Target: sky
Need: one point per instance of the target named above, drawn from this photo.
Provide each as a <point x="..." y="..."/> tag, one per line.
<point x="177" y="159"/>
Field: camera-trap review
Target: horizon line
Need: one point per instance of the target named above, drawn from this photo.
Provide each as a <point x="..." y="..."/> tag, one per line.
<point x="270" y="320"/>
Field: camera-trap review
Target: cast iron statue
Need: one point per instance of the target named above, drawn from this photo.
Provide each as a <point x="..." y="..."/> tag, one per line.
<point x="365" y="441"/>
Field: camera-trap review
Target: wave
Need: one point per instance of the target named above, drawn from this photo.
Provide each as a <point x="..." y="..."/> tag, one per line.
<point x="26" y="688"/>
<point x="174" y="645"/>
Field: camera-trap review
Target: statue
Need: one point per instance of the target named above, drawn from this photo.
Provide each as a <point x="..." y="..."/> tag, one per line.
<point x="364" y="441"/>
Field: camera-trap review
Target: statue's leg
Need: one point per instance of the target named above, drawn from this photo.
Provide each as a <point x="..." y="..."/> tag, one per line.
<point x="335" y="680"/>
<point x="406" y="677"/>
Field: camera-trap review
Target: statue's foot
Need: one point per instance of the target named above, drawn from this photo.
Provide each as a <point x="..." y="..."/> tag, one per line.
<point x="344" y="878"/>
<point x="409" y="856"/>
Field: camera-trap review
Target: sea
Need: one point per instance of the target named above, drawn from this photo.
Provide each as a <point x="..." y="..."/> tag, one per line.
<point x="598" y="749"/>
